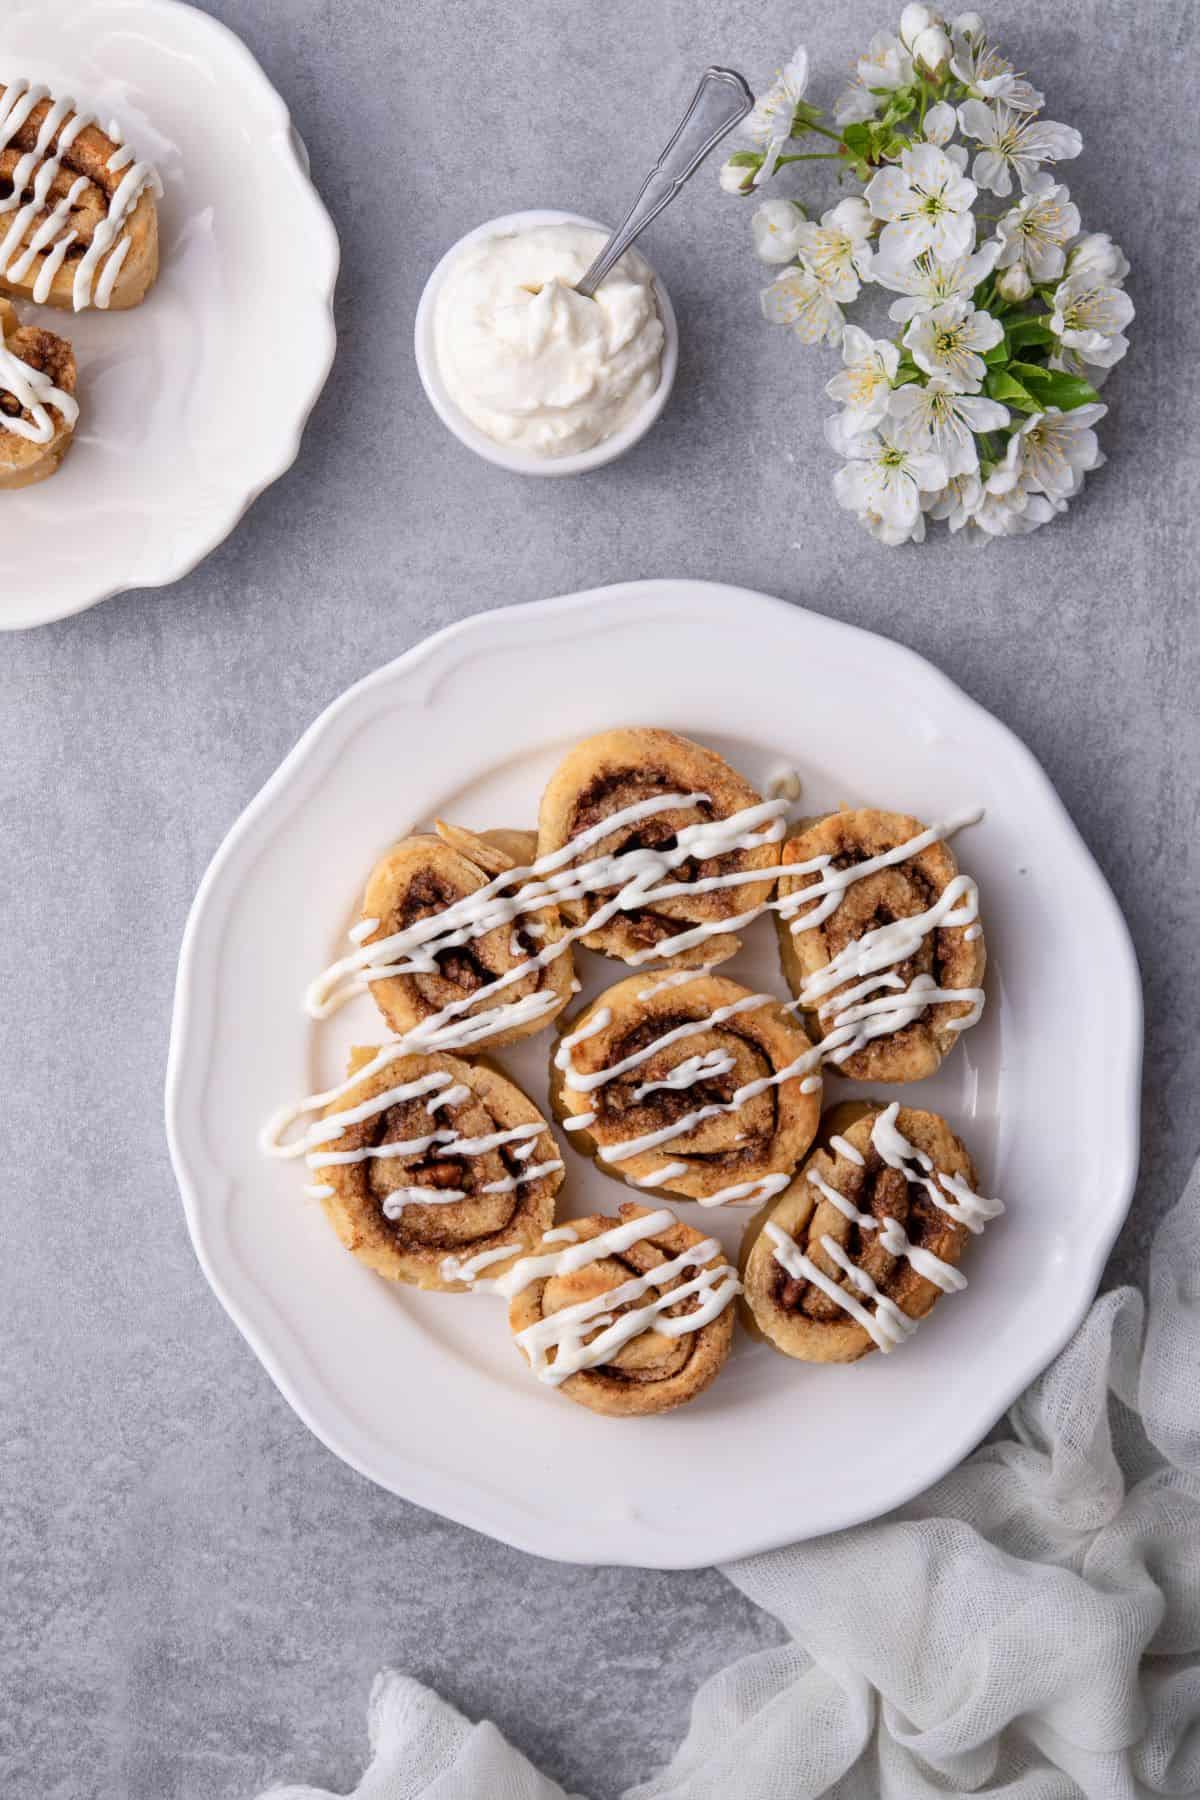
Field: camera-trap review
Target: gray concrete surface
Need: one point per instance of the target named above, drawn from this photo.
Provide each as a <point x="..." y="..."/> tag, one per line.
<point x="198" y="1593"/>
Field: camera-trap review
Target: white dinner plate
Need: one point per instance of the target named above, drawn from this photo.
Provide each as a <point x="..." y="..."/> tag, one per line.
<point x="193" y="402"/>
<point x="425" y="1393"/>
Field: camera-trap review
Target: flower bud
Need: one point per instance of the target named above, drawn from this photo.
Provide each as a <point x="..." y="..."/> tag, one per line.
<point x="933" y="49"/>
<point x="737" y="175"/>
<point x="968" y="25"/>
<point x="775" y="229"/>
<point x="913" y="21"/>
<point x="1014" y="283"/>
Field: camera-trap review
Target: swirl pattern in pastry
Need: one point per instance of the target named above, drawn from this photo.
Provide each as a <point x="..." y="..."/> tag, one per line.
<point x="881" y="943"/>
<point x="626" y="1316"/>
<point x="421" y="1160"/>
<point x="665" y="796"/>
<point x="866" y="1239"/>
<point x="689" y="1083"/>
<point x="486" y="986"/>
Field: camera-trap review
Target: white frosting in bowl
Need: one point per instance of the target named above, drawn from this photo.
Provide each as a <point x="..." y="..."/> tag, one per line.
<point x="529" y="362"/>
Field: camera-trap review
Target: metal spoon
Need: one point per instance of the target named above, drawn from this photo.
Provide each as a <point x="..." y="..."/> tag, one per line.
<point x="721" y="99"/>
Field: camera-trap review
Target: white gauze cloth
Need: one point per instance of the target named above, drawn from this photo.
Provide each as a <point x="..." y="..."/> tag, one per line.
<point x="1028" y="1628"/>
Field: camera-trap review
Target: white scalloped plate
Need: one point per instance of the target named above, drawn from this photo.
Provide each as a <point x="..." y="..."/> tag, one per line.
<point x="193" y="402"/>
<point x="425" y="1393"/>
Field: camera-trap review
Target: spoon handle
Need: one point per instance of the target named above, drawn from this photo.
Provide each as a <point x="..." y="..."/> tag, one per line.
<point x="721" y="99"/>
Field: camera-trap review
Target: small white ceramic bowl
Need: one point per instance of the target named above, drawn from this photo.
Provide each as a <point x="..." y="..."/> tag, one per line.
<point x="525" y="462"/>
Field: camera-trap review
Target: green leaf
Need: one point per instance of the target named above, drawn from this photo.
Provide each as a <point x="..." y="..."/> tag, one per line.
<point x="1031" y="372"/>
<point x="902" y="104"/>
<point x="1030" y="331"/>
<point x="857" y="137"/>
<point x="1002" y="384"/>
<point x="1054" y="387"/>
<point x="905" y="375"/>
<point x="998" y="354"/>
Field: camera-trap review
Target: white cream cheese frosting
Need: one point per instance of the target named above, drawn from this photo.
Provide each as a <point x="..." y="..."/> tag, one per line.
<point x="531" y="363"/>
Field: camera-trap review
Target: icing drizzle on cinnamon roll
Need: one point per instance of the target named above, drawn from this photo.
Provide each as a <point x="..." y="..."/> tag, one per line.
<point x="703" y="1088"/>
<point x="881" y="943"/>
<point x="34" y="392"/>
<point x="42" y="207"/>
<point x="814" y="1257"/>
<point x="684" y="1286"/>
<point x="450" y="1161"/>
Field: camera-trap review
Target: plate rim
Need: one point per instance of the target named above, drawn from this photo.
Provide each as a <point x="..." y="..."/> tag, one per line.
<point x="475" y="1505"/>
<point x="172" y="563"/>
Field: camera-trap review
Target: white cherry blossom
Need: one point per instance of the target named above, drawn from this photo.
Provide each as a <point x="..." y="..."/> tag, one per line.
<point x="1036" y="231"/>
<point x="881" y="476"/>
<point x="1013" y="143"/>
<point x="918" y="433"/>
<point x="1012" y="511"/>
<point x="926" y="204"/>
<point x="775" y="111"/>
<point x="864" y="385"/>
<point x="938" y="417"/>
<point x="927" y="282"/>
<point x="984" y="72"/>
<point x="956" y="502"/>
<point x="885" y="63"/>
<point x="893" y="535"/>
<point x="774" y="228"/>
<point x="1096" y="254"/>
<point x="1090" y="317"/>
<point x="798" y="299"/>
<point x="1051" y="452"/>
<point x="769" y="124"/>
<point x="837" y="250"/>
<point x="941" y="122"/>
<point x="949" y="341"/>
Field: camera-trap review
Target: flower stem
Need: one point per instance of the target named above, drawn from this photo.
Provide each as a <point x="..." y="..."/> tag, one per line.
<point x="811" y="125"/>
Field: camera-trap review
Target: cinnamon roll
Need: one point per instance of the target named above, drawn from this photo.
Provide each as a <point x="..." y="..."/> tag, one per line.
<point x="446" y="979"/>
<point x="691" y="1084"/>
<point x="38" y="409"/>
<point x="79" y="220"/>
<point x="672" y="851"/>
<point x="429" y="1168"/>
<point x="866" y="1238"/>
<point x="625" y="1316"/>
<point x="880" y="940"/>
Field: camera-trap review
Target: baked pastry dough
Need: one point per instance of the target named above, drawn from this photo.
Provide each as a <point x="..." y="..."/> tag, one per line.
<point x="466" y="988"/>
<point x="38" y="409"/>
<point x="879" y="939"/>
<point x="79" y="223"/>
<point x="638" y="1308"/>
<point x="689" y="1084"/>
<point x="661" y="793"/>
<point x="428" y="1162"/>
<point x="867" y="1237"/>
